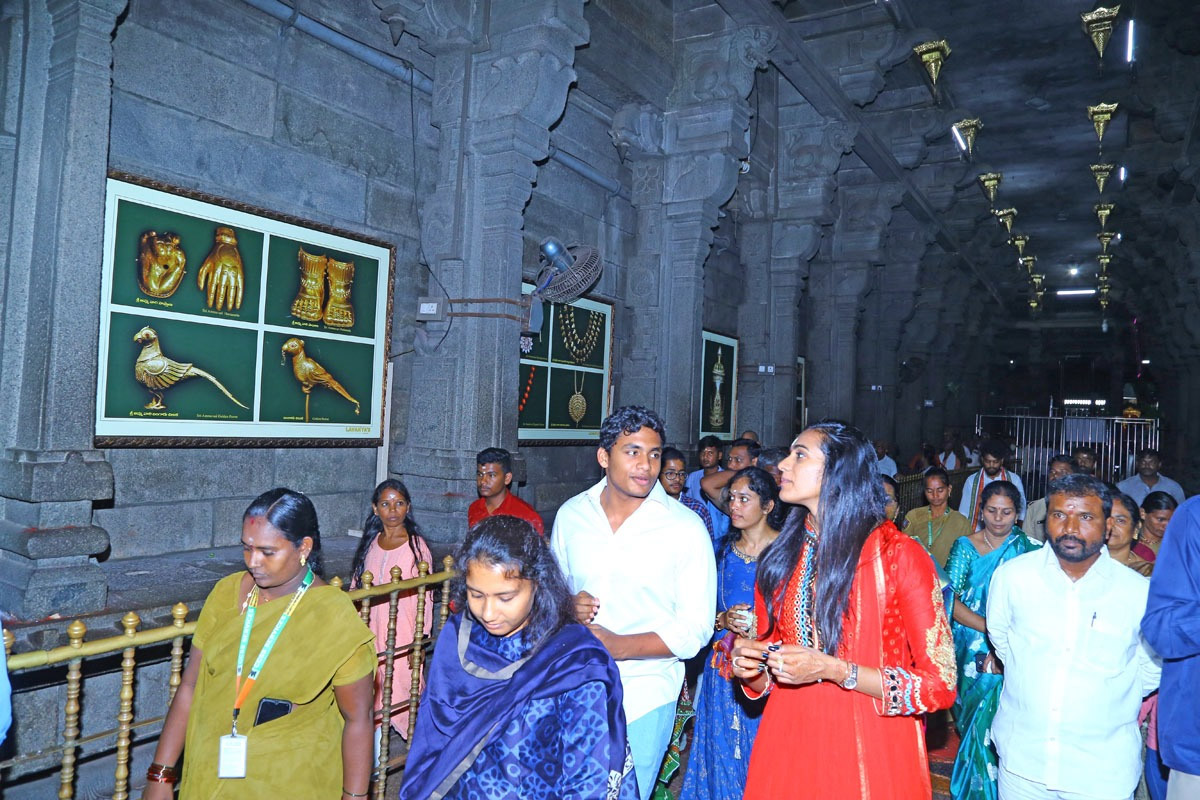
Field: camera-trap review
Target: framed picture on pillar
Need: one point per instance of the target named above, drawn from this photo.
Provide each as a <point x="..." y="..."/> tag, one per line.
<point x="565" y="374"/>
<point x="718" y="385"/>
<point x="224" y="325"/>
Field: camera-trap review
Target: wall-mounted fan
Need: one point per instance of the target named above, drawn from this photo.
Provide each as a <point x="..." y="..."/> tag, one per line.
<point x="567" y="272"/>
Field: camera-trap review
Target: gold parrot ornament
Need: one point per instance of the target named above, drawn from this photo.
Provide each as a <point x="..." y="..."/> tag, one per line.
<point x="162" y="263"/>
<point x="309" y="373"/>
<point x="158" y="373"/>
<point x="223" y="272"/>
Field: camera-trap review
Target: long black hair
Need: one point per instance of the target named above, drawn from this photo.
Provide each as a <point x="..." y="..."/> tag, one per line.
<point x="292" y="514"/>
<point x="759" y="481"/>
<point x="512" y="543"/>
<point x="374" y="526"/>
<point x="851" y="506"/>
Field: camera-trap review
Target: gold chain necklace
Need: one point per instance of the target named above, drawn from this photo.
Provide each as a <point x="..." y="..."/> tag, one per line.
<point x="577" y="405"/>
<point x="581" y="347"/>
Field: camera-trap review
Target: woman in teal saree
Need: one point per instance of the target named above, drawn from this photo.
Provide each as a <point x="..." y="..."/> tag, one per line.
<point x="973" y="559"/>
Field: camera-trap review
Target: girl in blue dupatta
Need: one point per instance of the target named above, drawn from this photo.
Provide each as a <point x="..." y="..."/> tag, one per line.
<point x="726" y="721"/>
<point x="523" y="702"/>
<point x="973" y="560"/>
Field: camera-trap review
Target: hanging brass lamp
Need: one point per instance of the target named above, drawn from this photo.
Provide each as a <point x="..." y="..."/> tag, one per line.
<point x="1005" y="217"/>
<point x="1103" y="210"/>
<point x="1104" y="289"/>
<point x="968" y="129"/>
<point x="1019" y="240"/>
<point x="1105" y="238"/>
<point x="1105" y="259"/>
<point x="1027" y="262"/>
<point x="1100" y="115"/>
<point x="1037" y="279"/>
<point x="1098" y="25"/>
<point x="990" y="181"/>
<point x="1101" y="172"/>
<point x="932" y="55"/>
<point x="1035" y="302"/>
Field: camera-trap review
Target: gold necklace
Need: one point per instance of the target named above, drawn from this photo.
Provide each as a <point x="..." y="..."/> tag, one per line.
<point x="577" y="405"/>
<point x="581" y="347"/>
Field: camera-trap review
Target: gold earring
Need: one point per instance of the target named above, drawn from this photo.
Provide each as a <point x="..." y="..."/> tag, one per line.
<point x="303" y="559"/>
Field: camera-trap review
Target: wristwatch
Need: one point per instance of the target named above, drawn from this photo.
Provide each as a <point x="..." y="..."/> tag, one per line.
<point x="851" y="677"/>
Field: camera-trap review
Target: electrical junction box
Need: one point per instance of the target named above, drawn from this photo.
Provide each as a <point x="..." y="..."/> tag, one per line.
<point x="431" y="309"/>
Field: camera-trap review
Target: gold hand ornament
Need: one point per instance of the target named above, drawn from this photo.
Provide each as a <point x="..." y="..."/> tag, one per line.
<point x="223" y="272"/>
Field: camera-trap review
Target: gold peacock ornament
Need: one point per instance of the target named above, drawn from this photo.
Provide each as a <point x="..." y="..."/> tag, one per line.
<point x="309" y="373"/>
<point x="158" y="373"/>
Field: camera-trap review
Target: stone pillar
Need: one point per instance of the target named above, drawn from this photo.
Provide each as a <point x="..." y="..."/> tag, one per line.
<point x="49" y="472"/>
<point x="836" y="290"/>
<point x="685" y="166"/>
<point x="495" y="97"/>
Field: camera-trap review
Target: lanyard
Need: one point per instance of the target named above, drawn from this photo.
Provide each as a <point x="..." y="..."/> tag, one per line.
<point x="243" y="689"/>
<point x="929" y="527"/>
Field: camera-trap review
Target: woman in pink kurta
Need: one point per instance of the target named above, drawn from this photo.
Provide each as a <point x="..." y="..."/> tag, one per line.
<point x="390" y="539"/>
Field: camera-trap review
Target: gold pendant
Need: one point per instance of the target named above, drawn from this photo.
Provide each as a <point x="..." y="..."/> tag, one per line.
<point x="577" y="405"/>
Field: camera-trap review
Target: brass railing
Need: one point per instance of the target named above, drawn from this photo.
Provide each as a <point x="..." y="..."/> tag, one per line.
<point x="74" y="653"/>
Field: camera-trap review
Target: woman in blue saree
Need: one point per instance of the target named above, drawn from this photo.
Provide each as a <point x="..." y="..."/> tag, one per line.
<point x="972" y="561"/>
<point x="523" y="702"/>
<point x="726" y="721"/>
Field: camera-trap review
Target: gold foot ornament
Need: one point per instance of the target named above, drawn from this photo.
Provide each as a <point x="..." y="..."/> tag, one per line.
<point x="223" y="272"/>
<point x="158" y="373"/>
<point x="163" y="263"/>
<point x="311" y="297"/>
<point x="340" y="311"/>
<point x="309" y="373"/>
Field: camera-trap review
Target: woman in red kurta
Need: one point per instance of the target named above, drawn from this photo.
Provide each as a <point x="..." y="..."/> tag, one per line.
<point x="855" y="641"/>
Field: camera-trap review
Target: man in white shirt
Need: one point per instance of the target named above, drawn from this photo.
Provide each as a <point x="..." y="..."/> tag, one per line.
<point x="885" y="464"/>
<point x="1066" y="622"/>
<point x="992" y="455"/>
<point x="1147" y="479"/>
<point x="642" y="568"/>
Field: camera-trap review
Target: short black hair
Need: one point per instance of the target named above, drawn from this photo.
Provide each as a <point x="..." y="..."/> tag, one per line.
<point x="1159" y="501"/>
<point x="709" y="441"/>
<point x="752" y="447"/>
<point x="669" y="453"/>
<point x="771" y="456"/>
<point x="1062" y="458"/>
<point x="1080" y="485"/>
<point x="937" y="472"/>
<point x="628" y="420"/>
<point x="1083" y="448"/>
<point x="495" y="455"/>
<point x="994" y="448"/>
<point x="1147" y="451"/>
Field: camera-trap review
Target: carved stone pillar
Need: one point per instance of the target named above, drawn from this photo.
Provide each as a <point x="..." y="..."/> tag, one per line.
<point x="49" y="473"/>
<point x="494" y="106"/>
<point x="685" y="164"/>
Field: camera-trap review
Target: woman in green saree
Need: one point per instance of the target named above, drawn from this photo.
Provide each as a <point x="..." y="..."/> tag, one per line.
<point x="972" y="561"/>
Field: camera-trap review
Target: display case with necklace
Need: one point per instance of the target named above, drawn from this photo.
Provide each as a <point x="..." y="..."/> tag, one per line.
<point x="580" y="346"/>
<point x="577" y="405"/>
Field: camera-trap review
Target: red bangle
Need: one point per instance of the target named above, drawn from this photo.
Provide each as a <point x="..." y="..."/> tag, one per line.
<point x="161" y="773"/>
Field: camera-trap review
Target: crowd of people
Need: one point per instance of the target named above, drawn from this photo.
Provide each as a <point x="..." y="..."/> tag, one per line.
<point x="1062" y="636"/>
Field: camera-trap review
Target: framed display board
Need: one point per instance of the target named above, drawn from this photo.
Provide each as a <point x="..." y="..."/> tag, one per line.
<point x="718" y="385"/>
<point x="565" y="374"/>
<point x="225" y="325"/>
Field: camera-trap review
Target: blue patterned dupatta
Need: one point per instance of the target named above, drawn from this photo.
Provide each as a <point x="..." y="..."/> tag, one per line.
<point x="975" y="767"/>
<point x="475" y="692"/>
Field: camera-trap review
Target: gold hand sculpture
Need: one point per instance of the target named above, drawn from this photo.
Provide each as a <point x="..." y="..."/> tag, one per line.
<point x="223" y="271"/>
<point x="311" y="374"/>
<point x="307" y="305"/>
<point x="158" y="373"/>
<point x="162" y="263"/>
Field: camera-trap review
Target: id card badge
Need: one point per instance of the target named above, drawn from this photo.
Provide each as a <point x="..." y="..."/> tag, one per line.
<point x="231" y="762"/>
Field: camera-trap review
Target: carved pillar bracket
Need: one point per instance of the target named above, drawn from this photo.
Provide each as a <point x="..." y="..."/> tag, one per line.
<point x="685" y="167"/>
<point x="495" y="98"/>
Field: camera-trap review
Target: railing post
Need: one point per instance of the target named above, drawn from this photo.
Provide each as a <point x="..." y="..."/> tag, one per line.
<point x="417" y="653"/>
<point x="125" y="716"/>
<point x="364" y="610"/>
<point x="179" y="613"/>
<point x="66" y="780"/>
<point x="447" y="565"/>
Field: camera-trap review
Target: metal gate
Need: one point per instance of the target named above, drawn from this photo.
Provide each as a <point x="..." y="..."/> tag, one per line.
<point x="1035" y="440"/>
